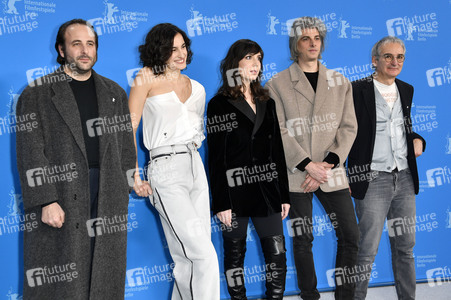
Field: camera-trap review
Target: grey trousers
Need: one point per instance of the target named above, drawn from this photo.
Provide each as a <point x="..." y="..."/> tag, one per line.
<point x="391" y="196"/>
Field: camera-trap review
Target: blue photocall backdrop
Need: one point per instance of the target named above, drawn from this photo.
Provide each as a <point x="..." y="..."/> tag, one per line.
<point x="27" y="36"/>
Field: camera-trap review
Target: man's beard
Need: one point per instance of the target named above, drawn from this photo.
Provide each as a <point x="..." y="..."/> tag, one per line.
<point x="76" y="67"/>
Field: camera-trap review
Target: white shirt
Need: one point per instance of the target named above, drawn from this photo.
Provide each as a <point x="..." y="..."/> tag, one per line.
<point x="168" y="121"/>
<point x="388" y="92"/>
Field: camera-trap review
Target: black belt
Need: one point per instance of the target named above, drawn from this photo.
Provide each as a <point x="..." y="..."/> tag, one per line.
<point x="167" y="154"/>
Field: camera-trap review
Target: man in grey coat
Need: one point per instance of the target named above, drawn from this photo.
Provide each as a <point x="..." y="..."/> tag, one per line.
<point x="72" y="167"/>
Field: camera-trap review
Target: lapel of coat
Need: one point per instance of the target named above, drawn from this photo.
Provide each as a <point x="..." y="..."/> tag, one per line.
<point x="322" y="89"/>
<point x="261" y="111"/>
<point x="405" y="101"/>
<point x="243" y="107"/>
<point x="106" y="102"/>
<point x="301" y="83"/>
<point x="369" y="99"/>
<point x="66" y="105"/>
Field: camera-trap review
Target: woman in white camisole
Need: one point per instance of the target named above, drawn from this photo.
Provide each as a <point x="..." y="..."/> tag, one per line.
<point x="172" y="108"/>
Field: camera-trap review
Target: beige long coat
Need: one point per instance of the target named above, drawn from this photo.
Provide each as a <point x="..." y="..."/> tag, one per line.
<point x="314" y="124"/>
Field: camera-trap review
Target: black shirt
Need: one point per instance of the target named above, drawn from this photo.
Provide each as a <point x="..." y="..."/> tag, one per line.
<point x="86" y="97"/>
<point x="313" y="79"/>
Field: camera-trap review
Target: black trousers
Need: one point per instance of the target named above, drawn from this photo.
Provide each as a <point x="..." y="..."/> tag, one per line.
<point x="338" y="205"/>
<point x="265" y="226"/>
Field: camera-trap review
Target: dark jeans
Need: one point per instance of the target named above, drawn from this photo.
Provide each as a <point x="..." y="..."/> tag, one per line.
<point x="265" y="226"/>
<point x="338" y="205"/>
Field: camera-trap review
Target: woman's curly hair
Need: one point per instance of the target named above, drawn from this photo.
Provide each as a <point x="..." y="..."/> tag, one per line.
<point x="157" y="48"/>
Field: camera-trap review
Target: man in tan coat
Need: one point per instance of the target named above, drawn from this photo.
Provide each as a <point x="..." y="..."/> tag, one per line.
<point x="318" y="126"/>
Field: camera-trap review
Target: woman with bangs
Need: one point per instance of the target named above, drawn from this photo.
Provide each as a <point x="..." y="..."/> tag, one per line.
<point x="248" y="177"/>
<point x="172" y="108"/>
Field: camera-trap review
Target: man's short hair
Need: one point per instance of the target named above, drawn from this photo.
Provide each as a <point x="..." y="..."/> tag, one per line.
<point x="61" y="36"/>
<point x="375" y="51"/>
<point x="296" y="33"/>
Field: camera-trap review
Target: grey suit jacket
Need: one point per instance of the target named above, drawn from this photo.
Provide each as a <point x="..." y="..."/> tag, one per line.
<point x="314" y="124"/>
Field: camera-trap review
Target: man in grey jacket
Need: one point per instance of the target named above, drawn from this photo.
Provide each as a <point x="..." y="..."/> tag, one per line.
<point x="72" y="169"/>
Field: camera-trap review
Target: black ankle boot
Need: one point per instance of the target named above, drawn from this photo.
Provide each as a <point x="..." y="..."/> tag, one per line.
<point x="276" y="265"/>
<point x="234" y="250"/>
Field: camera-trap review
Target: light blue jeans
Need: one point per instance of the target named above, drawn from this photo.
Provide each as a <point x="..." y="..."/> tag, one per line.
<point x="391" y="196"/>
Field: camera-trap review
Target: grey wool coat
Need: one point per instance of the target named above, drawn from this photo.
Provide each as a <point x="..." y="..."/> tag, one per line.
<point x="57" y="261"/>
